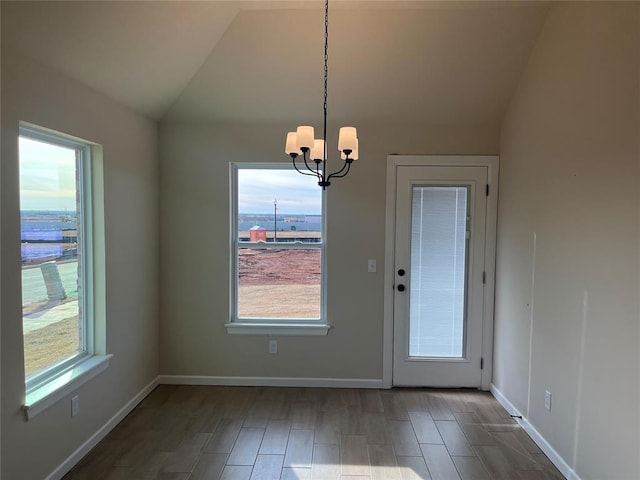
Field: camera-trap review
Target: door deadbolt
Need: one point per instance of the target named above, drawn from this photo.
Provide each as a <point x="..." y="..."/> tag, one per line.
<point x="401" y="272"/>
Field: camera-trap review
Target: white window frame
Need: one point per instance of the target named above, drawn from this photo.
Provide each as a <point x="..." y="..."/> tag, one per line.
<point x="45" y="388"/>
<point x="271" y="326"/>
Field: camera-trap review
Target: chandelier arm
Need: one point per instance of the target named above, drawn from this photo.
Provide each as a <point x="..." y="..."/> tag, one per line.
<point x="312" y="174"/>
<point x="342" y="174"/>
<point x="339" y="174"/>
<point x="317" y="171"/>
<point x="315" y="174"/>
<point x="303" y="173"/>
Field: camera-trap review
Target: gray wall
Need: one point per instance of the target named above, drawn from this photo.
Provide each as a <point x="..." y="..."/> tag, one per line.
<point x="31" y="450"/>
<point x="567" y="312"/>
<point x="569" y="174"/>
<point x="194" y="162"/>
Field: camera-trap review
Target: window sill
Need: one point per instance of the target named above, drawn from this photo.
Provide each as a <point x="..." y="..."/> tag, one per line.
<point x="41" y="398"/>
<point x="281" y="329"/>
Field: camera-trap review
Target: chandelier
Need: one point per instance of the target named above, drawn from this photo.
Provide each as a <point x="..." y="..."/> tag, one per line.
<point x="303" y="143"/>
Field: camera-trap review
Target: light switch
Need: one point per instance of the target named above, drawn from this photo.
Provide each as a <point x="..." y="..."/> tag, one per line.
<point x="371" y="266"/>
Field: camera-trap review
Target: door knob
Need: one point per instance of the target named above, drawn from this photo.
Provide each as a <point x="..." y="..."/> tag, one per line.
<point x="401" y="288"/>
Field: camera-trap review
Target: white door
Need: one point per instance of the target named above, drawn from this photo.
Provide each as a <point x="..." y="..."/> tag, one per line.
<point x="439" y="274"/>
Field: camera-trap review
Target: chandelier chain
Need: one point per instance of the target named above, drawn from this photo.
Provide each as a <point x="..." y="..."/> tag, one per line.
<point x="326" y="72"/>
<point x="326" y="50"/>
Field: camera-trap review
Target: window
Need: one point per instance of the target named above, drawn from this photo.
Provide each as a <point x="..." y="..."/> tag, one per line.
<point x="57" y="247"/>
<point x="277" y="265"/>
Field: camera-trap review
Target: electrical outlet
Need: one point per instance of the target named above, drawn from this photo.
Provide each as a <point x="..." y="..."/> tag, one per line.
<point x="75" y="406"/>
<point x="371" y="266"/>
<point x="547" y="400"/>
<point x="273" y="346"/>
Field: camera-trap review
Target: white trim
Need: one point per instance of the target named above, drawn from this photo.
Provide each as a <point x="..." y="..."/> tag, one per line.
<point x="492" y="163"/>
<point x="531" y="310"/>
<point x="271" y="381"/>
<point x="491" y="239"/>
<point x="390" y="227"/>
<point x="83" y="449"/>
<point x="57" y="388"/>
<point x="235" y="244"/>
<point x="536" y="436"/>
<point x="281" y="329"/>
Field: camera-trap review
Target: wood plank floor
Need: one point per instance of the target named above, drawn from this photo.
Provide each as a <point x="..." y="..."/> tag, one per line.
<point x="264" y="433"/>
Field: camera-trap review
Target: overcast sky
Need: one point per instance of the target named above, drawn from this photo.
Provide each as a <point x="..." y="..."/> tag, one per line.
<point x="295" y="193"/>
<point x="47" y="176"/>
<point x="47" y="182"/>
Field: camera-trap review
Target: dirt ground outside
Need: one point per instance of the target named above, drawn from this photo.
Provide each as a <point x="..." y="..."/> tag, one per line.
<point x="50" y="344"/>
<point x="279" y="283"/>
<point x="279" y="301"/>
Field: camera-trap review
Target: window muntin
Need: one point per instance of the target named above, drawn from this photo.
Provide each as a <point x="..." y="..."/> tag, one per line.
<point x="55" y="213"/>
<point x="278" y="248"/>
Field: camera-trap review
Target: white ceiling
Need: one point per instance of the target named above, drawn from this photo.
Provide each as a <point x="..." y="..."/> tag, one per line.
<point x="407" y="62"/>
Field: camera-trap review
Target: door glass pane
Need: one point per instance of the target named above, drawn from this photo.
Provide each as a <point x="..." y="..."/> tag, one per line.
<point x="438" y="271"/>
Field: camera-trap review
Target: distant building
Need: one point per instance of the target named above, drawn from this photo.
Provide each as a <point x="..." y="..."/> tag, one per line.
<point x="257" y="234"/>
<point x="303" y="223"/>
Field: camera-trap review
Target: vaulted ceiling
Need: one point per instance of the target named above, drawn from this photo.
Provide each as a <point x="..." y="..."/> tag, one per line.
<point x="407" y="62"/>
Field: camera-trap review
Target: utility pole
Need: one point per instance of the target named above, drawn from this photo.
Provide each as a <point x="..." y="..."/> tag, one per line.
<point x="275" y="216"/>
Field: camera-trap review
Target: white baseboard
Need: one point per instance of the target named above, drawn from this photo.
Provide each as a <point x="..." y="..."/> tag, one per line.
<point x="272" y="381"/>
<point x="76" y="456"/>
<point x="536" y="436"/>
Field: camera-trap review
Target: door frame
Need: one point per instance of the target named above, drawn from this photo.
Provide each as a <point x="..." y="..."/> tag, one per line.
<point x="492" y="164"/>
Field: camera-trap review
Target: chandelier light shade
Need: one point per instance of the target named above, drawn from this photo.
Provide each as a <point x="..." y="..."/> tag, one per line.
<point x="302" y="142"/>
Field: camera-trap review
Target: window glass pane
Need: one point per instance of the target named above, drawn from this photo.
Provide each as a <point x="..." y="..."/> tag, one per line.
<point x="280" y="205"/>
<point x="50" y="218"/>
<point x="438" y="270"/>
<point x="277" y="206"/>
<point x="279" y="283"/>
